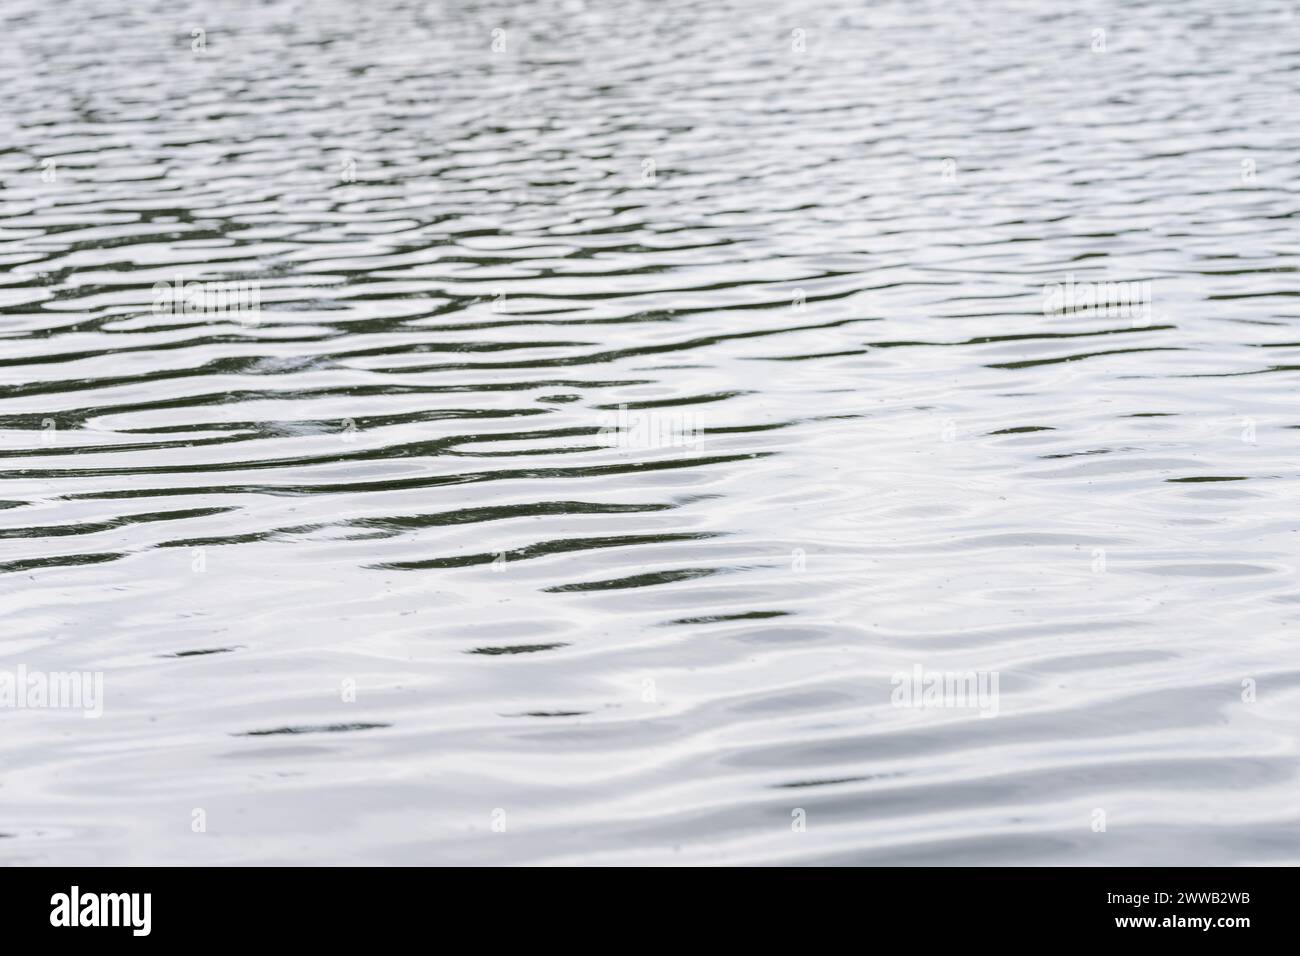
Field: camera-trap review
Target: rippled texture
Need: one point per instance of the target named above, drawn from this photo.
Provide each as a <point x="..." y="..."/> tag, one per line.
<point x="820" y="235"/>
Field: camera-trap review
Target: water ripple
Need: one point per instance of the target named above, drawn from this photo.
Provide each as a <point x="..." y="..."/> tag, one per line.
<point x="632" y="398"/>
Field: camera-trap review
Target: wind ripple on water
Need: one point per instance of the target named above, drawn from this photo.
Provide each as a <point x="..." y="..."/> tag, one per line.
<point x="627" y="407"/>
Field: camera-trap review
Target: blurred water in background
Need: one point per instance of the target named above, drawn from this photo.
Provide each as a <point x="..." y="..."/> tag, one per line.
<point x="634" y="392"/>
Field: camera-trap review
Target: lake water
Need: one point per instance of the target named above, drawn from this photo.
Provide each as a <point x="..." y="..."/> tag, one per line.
<point x="597" y="429"/>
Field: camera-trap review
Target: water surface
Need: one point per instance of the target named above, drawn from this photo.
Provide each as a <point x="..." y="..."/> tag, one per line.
<point x="635" y="392"/>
